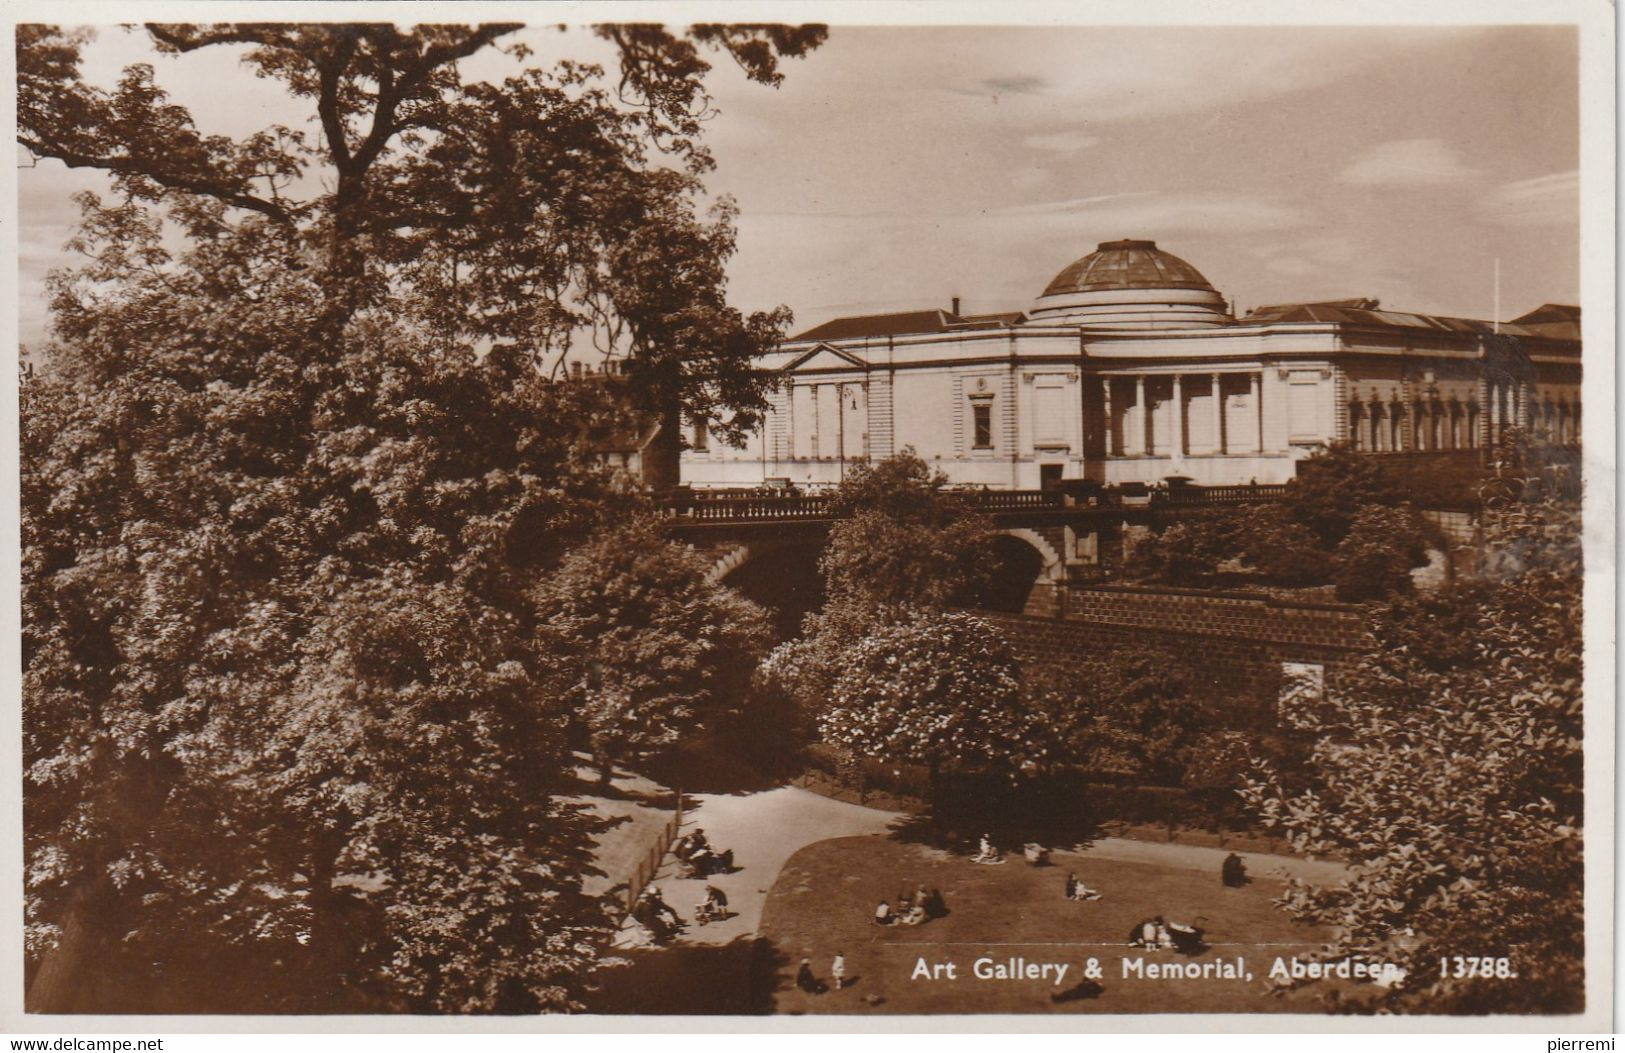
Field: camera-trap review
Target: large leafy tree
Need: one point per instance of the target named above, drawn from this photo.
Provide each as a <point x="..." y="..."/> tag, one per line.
<point x="903" y="544"/>
<point x="1448" y="772"/>
<point x="543" y="211"/>
<point x="903" y="540"/>
<point x="654" y="649"/>
<point x="290" y="473"/>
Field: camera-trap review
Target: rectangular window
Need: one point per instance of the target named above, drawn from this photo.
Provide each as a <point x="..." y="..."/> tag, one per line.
<point x="982" y="417"/>
<point x="702" y="435"/>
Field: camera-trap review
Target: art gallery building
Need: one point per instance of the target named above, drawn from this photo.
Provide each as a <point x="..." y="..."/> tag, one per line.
<point x="1130" y="367"/>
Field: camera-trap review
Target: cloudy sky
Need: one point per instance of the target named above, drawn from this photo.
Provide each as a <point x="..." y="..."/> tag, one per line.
<point x="898" y="167"/>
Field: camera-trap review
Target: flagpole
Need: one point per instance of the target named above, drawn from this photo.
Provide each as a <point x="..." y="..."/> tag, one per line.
<point x="1496" y="321"/>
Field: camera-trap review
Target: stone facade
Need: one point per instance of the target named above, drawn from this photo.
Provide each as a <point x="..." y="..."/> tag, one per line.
<point x="1130" y="368"/>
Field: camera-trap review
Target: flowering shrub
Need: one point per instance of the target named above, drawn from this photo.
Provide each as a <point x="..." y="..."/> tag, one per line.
<point x="939" y="689"/>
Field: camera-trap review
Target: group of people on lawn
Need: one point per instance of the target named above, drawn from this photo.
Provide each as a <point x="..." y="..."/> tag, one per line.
<point x="924" y="905"/>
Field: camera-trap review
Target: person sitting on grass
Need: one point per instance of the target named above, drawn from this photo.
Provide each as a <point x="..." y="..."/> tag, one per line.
<point x="883" y="915"/>
<point x="985" y="852"/>
<point x="1187" y="939"/>
<point x="1150" y="934"/>
<point x="1036" y="854"/>
<point x="1077" y="891"/>
<point x="935" y="905"/>
<point x="806" y="980"/>
<point x="1234" y="871"/>
<point x="914" y="916"/>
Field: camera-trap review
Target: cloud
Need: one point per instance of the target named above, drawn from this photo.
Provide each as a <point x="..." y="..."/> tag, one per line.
<point x="995" y="87"/>
<point x="1120" y="73"/>
<point x="1542" y="200"/>
<point x="1026" y="84"/>
<point x="1067" y="142"/>
<point x="1029" y="178"/>
<point x="1407" y="162"/>
<point x="1319" y="255"/>
<point x="1152" y="214"/>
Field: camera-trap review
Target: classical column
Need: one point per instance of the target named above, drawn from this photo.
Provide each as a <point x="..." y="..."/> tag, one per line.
<point x="1106" y="412"/>
<point x="1178" y="428"/>
<point x="1218" y="416"/>
<point x="1144" y="421"/>
<point x="1258" y="408"/>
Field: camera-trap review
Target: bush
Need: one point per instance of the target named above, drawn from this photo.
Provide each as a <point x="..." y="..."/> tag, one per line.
<point x="1375" y="559"/>
<point x="1190" y="551"/>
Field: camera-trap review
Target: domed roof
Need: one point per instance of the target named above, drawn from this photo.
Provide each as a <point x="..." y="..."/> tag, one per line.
<point x="1127" y="265"/>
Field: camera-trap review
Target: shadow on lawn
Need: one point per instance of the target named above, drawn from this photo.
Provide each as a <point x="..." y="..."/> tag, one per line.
<point x="734" y="979"/>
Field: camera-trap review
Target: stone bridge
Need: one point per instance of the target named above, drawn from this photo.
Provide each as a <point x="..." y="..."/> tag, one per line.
<point x="767" y="543"/>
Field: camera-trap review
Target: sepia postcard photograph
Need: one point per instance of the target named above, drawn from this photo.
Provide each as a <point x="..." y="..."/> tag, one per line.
<point x="810" y="516"/>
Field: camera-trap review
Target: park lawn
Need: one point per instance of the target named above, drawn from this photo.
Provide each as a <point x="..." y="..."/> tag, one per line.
<point x="825" y="897"/>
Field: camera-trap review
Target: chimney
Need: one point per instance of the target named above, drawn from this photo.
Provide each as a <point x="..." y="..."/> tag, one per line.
<point x="956" y="307"/>
<point x="575" y="370"/>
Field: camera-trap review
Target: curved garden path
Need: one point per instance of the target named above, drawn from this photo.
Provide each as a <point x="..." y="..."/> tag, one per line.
<point x="764" y="830"/>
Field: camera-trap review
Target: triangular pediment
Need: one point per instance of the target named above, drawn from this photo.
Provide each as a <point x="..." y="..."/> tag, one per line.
<point x="825" y="357"/>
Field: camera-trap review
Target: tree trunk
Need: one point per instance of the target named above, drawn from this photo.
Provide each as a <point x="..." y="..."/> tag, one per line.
<point x="65" y="981"/>
<point x="662" y="458"/>
<point x="327" y="922"/>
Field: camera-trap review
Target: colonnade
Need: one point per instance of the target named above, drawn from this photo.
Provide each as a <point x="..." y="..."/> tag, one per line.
<point x="1138" y="439"/>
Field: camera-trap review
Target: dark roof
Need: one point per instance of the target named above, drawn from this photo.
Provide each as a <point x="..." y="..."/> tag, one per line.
<point x="1127" y="265"/>
<point x="990" y="321"/>
<point x="896" y="324"/>
<point x="1549" y="312"/>
<point x="1358" y="304"/>
<point x="1556" y="320"/>
<point x="1341" y="312"/>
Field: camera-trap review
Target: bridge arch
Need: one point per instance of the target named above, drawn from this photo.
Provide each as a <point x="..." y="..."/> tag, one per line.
<point x="1053" y="568"/>
<point x="781" y="574"/>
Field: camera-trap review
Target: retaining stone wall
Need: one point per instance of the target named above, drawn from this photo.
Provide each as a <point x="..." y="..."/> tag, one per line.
<point x="1241" y="639"/>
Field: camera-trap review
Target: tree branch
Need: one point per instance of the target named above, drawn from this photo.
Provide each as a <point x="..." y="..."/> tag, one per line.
<point x="132" y="167"/>
<point x="327" y="105"/>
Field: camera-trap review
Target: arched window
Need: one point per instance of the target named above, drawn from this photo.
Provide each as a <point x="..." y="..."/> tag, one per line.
<point x="1472" y="426"/>
<point x="1357" y="424"/>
